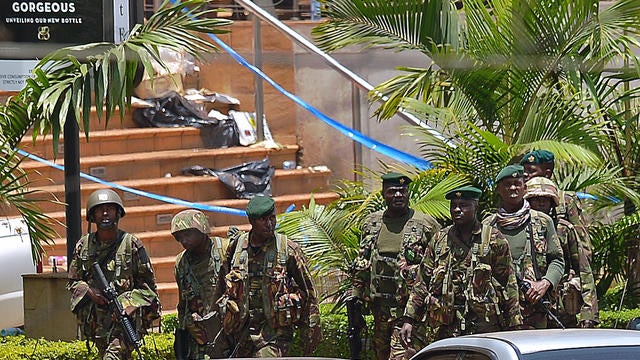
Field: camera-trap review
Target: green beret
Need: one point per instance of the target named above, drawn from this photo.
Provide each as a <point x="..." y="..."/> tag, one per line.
<point x="537" y="157"/>
<point x="260" y="206"/>
<point x="512" y="171"/>
<point x="465" y="192"/>
<point x="394" y="178"/>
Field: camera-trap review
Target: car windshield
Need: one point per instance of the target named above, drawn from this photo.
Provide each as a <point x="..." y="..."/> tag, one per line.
<point x="608" y="353"/>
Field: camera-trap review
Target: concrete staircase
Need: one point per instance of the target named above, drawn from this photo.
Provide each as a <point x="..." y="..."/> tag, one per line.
<point x="151" y="160"/>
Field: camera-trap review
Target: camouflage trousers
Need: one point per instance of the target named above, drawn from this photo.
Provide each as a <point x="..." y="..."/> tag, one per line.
<point x="113" y="350"/>
<point x="259" y="340"/>
<point x="386" y="338"/>
<point x="533" y="317"/>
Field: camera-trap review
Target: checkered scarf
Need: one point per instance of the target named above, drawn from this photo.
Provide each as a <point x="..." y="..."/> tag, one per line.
<point x="512" y="221"/>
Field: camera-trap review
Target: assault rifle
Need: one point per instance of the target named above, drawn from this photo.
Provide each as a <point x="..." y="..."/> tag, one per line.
<point x="356" y="323"/>
<point x="543" y="303"/>
<point x="116" y="309"/>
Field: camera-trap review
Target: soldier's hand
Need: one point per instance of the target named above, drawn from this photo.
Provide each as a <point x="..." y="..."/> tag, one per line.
<point x="537" y="290"/>
<point x="96" y="296"/>
<point x="405" y="333"/>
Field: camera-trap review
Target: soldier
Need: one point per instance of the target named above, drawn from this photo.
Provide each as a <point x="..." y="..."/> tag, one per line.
<point x="196" y="272"/>
<point x="577" y="284"/>
<point x="267" y="290"/>
<point x="466" y="283"/>
<point x="391" y="248"/>
<point x="535" y="248"/>
<point x="541" y="163"/>
<point x="126" y="266"/>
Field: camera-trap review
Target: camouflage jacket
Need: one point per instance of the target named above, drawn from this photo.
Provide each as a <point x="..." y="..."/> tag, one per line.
<point x="262" y="275"/>
<point x="128" y="269"/>
<point x="578" y="275"/>
<point x="467" y="288"/>
<point x="391" y="288"/>
<point x="197" y="308"/>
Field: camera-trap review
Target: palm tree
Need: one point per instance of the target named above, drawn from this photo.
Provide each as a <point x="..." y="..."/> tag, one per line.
<point x="71" y="80"/>
<point x="503" y="77"/>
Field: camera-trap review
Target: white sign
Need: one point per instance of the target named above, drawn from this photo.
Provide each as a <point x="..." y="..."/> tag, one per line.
<point x="14" y="73"/>
<point x="120" y="20"/>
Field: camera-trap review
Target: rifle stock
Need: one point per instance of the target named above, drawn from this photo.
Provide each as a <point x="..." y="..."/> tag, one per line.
<point x="116" y="309"/>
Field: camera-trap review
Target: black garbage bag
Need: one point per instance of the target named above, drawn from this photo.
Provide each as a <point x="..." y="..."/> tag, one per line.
<point x="171" y="110"/>
<point x="246" y="180"/>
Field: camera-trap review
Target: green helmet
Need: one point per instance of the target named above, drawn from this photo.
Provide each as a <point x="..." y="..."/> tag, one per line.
<point x="543" y="187"/>
<point x="190" y="219"/>
<point x="103" y="196"/>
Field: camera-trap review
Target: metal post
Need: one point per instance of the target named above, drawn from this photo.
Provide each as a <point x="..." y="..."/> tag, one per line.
<point x="257" y="58"/>
<point x="72" y="184"/>
<point x="356" y="125"/>
<point x="295" y="10"/>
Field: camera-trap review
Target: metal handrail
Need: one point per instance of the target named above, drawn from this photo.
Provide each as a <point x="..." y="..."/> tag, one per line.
<point x="309" y="46"/>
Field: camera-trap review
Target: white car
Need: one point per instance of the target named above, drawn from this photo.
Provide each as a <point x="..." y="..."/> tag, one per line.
<point x="550" y="344"/>
<point x="15" y="261"/>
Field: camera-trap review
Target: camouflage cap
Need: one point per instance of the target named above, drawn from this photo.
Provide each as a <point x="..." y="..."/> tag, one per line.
<point x="260" y="206"/>
<point x="537" y="157"/>
<point x="190" y="219"/>
<point x="511" y="171"/>
<point x="464" y="192"/>
<point x="541" y="186"/>
<point x="395" y="179"/>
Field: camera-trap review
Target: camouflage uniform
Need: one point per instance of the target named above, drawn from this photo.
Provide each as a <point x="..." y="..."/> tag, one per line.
<point x="570" y="210"/>
<point x="196" y="279"/>
<point x="466" y="289"/>
<point x="268" y="292"/>
<point x="391" y="250"/>
<point x="127" y="267"/>
<point x="537" y="234"/>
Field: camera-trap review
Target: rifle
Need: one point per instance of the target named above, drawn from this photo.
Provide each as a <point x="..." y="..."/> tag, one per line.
<point x="116" y="309"/>
<point x="356" y="323"/>
<point x="543" y="303"/>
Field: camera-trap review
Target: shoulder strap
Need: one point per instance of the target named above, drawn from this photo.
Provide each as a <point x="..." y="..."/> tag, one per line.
<point x="123" y="252"/>
<point x="283" y="249"/>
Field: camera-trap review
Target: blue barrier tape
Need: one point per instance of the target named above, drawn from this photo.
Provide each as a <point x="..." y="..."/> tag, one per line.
<point x="167" y="199"/>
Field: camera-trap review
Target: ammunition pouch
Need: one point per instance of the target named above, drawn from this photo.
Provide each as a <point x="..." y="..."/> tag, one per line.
<point x="287" y="299"/>
<point x="483" y="301"/>
<point x="439" y="314"/>
<point x="571" y="296"/>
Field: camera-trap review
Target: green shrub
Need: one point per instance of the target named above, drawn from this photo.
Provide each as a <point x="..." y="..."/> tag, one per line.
<point x="617" y="319"/>
<point x="160" y="345"/>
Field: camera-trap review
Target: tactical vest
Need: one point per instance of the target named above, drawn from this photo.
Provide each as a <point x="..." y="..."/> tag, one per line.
<point x="482" y="292"/>
<point x="267" y="291"/>
<point x="532" y="263"/>
<point x="386" y="282"/>
<point x="114" y="268"/>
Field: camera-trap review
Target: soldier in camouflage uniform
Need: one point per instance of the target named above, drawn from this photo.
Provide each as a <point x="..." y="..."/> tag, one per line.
<point x="577" y="287"/>
<point x="126" y="266"/>
<point x="541" y="163"/>
<point x="534" y="244"/>
<point x="466" y="283"/>
<point x="266" y="290"/>
<point x="391" y="248"/>
<point x="196" y="272"/>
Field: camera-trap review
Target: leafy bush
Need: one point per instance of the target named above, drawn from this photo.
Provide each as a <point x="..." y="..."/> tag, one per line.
<point x="617" y="319"/>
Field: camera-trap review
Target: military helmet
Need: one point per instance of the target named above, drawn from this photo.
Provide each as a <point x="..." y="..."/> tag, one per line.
<point x="541" y="186"/>
<point x="103" y="196"/>
<point x="190" y="219"/>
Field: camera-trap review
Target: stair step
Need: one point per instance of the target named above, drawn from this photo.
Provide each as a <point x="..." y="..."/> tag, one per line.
<point x="157" y="164"/>
<point x="158" y="243"/>
<point x="119" y="141"/>
<point x="188" y="188"/>
<point x="158" y="217"/>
